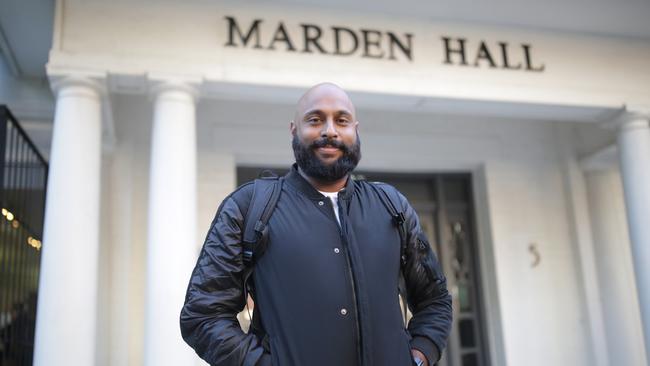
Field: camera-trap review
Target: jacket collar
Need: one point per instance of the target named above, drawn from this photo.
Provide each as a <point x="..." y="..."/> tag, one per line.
<point x="299" y="182"/>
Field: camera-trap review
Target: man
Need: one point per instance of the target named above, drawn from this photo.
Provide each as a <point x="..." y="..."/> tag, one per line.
<point x="325" y="290"/>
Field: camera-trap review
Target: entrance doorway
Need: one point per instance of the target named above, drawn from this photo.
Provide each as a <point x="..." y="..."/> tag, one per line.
<point x="444" y="204"/>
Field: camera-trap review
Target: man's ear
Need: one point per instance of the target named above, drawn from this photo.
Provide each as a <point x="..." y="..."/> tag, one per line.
<point x="292" y="128"/>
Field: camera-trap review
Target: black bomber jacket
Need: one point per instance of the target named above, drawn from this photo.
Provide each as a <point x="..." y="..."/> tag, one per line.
<point x="325" y="293"/>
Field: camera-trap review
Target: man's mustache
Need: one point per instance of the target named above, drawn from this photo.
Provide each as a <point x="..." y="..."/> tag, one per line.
<point x="328" y="142"/>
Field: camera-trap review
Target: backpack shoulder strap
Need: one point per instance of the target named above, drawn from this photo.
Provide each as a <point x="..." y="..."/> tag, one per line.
<point x="390" y="200"/>
<point x="264" y="198"/>
<point x="266" y="193"/>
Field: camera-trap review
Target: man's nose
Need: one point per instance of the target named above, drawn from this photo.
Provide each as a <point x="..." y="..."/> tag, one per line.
<point x="329" y="129"/>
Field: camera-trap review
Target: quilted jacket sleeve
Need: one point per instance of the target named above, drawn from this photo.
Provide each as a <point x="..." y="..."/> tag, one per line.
<point x="426" y="288"/>
<point x="215" y="295"/>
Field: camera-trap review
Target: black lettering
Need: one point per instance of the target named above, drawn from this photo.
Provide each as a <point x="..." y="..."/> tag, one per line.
<point x="459" y="51"/>
<point x="406" y="50"/>
<point x="281" y="35"/>
<point x="337" y="41"/>
<point x="529" y="64"/>
<point x="254" y="30"/>
<point x="368" y="42"/>
<point x="484" y="54"/>
<point x="504" y="56"/>
<point x="311" y="35"/>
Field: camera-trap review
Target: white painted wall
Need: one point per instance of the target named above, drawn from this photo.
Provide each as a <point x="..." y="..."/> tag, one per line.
<point x="124" y="239"/>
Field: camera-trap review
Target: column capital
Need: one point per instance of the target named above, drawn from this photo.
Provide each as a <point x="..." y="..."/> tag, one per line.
<point x="631" y="118"/>
<point x="160" y="85"/>
<point x="88" y="85"/>
<point x="59" y="83"/>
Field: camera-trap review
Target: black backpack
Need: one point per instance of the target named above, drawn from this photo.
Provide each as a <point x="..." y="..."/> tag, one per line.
<point x="266" y="193"/>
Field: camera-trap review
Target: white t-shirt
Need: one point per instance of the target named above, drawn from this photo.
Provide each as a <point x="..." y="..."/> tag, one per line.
<point x="334" y="197"/>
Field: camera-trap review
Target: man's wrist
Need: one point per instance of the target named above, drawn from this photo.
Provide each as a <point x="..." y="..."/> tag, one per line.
<point x="428" y="350"/>
<point x="419" y="358"/>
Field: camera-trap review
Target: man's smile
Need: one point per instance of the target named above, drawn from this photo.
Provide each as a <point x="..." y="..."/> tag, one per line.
<point x="328" y="152"/>
<point x="329" y="149"/>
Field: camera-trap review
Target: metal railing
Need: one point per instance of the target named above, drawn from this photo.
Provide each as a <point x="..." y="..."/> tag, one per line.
<point x="23" y="181"/>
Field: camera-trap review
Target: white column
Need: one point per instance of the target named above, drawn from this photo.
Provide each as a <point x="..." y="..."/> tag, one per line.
<point x="634" y="153"/>
<point x="67" y="299"/>
<point x="171" y="249"/>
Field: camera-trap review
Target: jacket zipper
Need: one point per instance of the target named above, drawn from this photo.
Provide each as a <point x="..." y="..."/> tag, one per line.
<point x="344" y="240"/>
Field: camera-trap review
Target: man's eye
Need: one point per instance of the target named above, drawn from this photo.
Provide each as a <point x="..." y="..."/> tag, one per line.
<point x="313" y="120"/>
<point x="343" y="121"/>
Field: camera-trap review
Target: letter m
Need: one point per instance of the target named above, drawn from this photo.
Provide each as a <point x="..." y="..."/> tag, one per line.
<point x="233" y="28"/>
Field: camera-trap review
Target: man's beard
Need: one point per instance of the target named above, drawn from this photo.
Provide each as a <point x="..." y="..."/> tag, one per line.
<point x="316" y="168"/>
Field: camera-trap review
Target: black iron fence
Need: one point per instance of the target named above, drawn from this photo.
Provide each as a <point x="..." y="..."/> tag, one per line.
<point x="23" y="178"/>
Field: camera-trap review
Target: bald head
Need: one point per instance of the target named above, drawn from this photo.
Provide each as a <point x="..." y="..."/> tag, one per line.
<point x="323" y="92"/>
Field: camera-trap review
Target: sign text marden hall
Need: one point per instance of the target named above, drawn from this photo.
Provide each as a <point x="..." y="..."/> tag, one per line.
<point x="374" y="44"/>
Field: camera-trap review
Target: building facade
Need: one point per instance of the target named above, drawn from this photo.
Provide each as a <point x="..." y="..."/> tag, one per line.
<point x="163" y="107"/>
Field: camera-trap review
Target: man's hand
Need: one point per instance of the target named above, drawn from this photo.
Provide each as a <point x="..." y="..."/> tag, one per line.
<point x="420" y="355"/>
